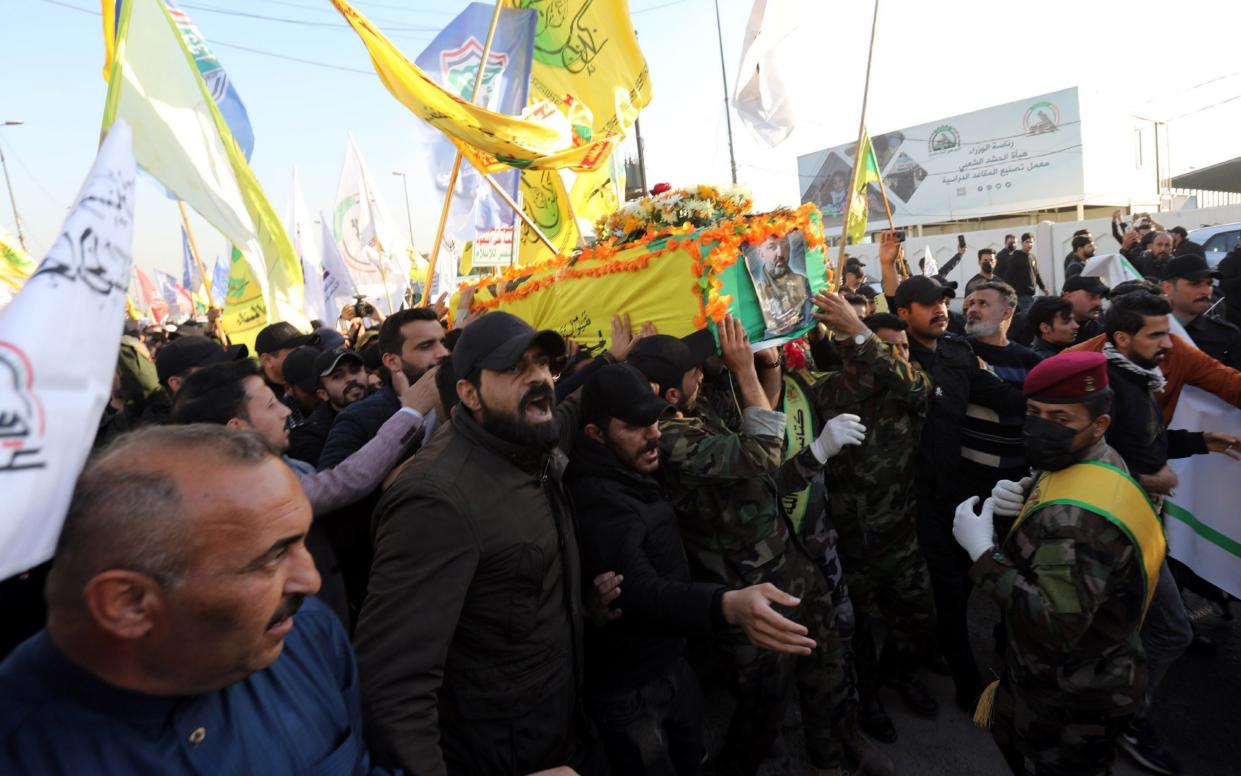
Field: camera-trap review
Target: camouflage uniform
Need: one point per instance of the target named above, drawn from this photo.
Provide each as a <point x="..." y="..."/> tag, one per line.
<point x="872" y="504"/>
<point x="724" y="486"/>
<point x="1071" y="585"/>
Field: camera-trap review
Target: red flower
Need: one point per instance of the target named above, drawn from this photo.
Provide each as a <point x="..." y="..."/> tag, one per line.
<point x="660" y="188"/>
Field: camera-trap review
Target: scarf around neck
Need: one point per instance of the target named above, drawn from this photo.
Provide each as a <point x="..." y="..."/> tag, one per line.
<point x="1155" y="380"/>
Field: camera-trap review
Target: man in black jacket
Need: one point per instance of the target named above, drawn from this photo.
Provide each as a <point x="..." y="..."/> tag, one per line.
<point x="470" y="641"/>
<point x="1181" y="244"/>
<point x="1086" y="294"/>
<point x="1139" y="338"/>
<point x="1188" y="284"/>
<point x="1020" y="270"/>
<point x="640" y="691"/>
<point x="959" y="381"/>
<point x="1230" y="284"/>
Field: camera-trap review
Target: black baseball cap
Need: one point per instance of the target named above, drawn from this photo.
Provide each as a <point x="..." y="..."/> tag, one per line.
<point x="330" y="359"/>
<point x="299" y="368"/>
<point x="923" y="290"/>
<point x="867" y="290"/>
<point x="185" y="353"/>
<point x="664" y="359"/>
<point x="1190" y="266"/>
<point x="279" y="336"/>
<point x="621" y="391"/>
<point x="497" y="342"/>
<point x="330" y="339"/>
<point x="1088" y="283"/>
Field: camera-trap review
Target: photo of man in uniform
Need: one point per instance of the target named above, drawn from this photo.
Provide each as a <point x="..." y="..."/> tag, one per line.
<point x="778" y="268"/>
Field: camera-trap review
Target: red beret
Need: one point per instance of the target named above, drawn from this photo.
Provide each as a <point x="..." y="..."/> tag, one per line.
<point x="1068" y="378"/>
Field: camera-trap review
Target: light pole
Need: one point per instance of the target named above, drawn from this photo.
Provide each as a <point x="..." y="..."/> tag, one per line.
<point x="21" y="235"/>
<point x="409" y="220"/>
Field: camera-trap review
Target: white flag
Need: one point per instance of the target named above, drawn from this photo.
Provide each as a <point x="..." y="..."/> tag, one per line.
<point x="338" y="289"/>
<point x="761" y="99"/>
<point x="374" y="253"/>
<point x="48" y="403"/>
<point x="297" y="222"/>
<point x="930" y="267"/>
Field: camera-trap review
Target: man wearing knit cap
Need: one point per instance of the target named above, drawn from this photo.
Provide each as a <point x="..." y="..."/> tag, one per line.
<point x="1074" y="577"/>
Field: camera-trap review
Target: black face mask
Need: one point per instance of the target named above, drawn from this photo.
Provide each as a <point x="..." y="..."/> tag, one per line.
<point x="1049" y="445"/>
<point x="987" y="267"/>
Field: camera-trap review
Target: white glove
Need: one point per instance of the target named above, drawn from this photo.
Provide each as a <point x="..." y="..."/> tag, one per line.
<point x="1010" y="497"/>
<point x="974" y="532"/>
<point x="844" y="429"/>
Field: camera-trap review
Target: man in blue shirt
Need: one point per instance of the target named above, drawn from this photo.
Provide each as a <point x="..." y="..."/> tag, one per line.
<point x="181" y="633"/>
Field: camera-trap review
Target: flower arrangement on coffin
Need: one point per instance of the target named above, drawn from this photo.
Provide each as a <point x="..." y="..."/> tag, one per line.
<point x="699" y="206"/>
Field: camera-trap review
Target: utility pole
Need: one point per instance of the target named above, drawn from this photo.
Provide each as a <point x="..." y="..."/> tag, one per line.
<point x="728" y="119"/>
<point x="17" y="219"/>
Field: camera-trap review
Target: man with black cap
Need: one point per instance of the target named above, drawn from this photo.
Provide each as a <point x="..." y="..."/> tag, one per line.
<point x="470" y="640"/>
<point x="301" y="382"/>
<point x="1073" y="576"/>
<point x="1188" y="284"/>
<point x="273" y="345"/>
<point x="335" y="378"/>
<point x="1087" y="295"/>
<point x="959" y="380"/>
<point x="640" y="691"/>
<point x="725" y="485"/>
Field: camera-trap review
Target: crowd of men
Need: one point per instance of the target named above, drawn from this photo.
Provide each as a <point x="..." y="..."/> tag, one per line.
<point x="477" y="548"/>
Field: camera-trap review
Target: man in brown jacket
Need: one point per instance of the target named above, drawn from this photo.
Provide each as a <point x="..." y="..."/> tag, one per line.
<point x="470" y="641"/>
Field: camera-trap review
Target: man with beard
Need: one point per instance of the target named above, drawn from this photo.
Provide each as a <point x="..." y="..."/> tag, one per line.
<point x="959" y="380"/>
<point x="337" y="378"/>
<point x="470" y="640"/>
<point x="1073" y="578"/>
<point x="640" y="691"/>
<point x="784" y="294"/>
<point x="992" y="447"/>
<point x="1073" y="257"/>
<point x="1150" y="263"/>
<point x="725" y="485"/>
<point x="1139" y="338"/>
<point x="1083" y="251"/>
<point x="1181" y="244"/>
<point x="1086" y="294"/>
<point x="1188" y="284"/>
<point x="1050" y="319"/>
<point x="986" y="270"/>
<point x="235" y="395"/>
<point x="411" y="342"/>
<point x="181" y="636"/>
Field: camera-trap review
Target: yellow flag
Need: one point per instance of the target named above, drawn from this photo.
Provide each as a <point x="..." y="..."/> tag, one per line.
<point x="546" y="202"/>
<point x="245" y="310"/>
<point x="586" y="51"/>
<point x="597" y="195"/>
<point x="541" y="140"/>
<point x="183" y="141"/>
<point x="15" y="264"/>
<point x="865" y="172"/>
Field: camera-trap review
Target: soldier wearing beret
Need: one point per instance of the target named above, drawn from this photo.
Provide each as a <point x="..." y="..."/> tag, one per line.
<point x="1074" y="577"/>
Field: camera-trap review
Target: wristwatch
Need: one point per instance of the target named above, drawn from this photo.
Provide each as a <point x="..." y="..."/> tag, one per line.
<point x="860" y="338"/>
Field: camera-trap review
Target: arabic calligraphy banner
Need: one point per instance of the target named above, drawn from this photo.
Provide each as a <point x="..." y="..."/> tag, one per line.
<point x="1021" y="156"/>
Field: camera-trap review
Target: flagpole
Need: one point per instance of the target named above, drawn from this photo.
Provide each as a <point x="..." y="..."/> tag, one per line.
<point x="728" y="119"/>
<point x="857" y="160"/>
<point x="456" y="163"/>
<point x="198" y="262"/>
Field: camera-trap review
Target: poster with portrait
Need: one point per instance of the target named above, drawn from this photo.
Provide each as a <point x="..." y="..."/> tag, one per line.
<point x="777" y="268"/>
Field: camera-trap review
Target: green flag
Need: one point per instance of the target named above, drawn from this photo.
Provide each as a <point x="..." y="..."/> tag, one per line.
<point x="865" y="172"/>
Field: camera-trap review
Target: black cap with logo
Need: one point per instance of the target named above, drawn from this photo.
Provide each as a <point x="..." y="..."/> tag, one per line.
<point x="497" y="341"/>
<point x="923" y="290"/>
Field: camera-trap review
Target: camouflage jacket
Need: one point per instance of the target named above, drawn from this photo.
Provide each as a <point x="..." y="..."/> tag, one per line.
<point x="1070" y="583"/>
<point x="872" y="485"/>
<point x="724" y="485"/>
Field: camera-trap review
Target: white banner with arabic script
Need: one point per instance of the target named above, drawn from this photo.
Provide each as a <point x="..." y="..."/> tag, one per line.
<point x="50" y="403"/>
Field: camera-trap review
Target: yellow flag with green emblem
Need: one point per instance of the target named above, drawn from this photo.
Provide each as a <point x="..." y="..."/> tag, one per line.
<point x="865" y="172"/>
<point x="15" y="264"/>
<point x="245" y="309"/>
<point x="546" y="202"/>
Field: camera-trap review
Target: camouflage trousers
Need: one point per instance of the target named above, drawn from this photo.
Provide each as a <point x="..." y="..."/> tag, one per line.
<point x="888" y="580"/>
<point x="763" y="681"/>
<point x="1047" y="739"/>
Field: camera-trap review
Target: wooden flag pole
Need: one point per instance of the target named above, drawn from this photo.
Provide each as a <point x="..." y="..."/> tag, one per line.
<point x="456" y="164"/>
<point x="198" y="262"/>
<point x="525" y="219"/>
<point x="857" y="155"/>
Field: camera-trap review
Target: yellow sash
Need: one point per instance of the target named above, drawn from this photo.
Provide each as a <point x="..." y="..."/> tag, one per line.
<point x="798" y="433"/>
<point x="1109" y="492"/>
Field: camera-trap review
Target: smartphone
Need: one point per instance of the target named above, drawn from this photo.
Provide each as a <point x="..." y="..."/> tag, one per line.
<point x="899" y="236"/>
<point x="961" y="241"/>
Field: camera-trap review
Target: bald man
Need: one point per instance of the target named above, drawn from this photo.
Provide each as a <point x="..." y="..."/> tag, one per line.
<point x="181" y="633"/>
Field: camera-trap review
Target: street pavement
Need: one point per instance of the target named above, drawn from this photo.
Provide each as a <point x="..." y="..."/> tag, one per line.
<point x="1197" y="712"/>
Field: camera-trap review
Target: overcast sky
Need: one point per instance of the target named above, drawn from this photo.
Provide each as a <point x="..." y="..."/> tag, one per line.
<point x="932" y="60"/>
